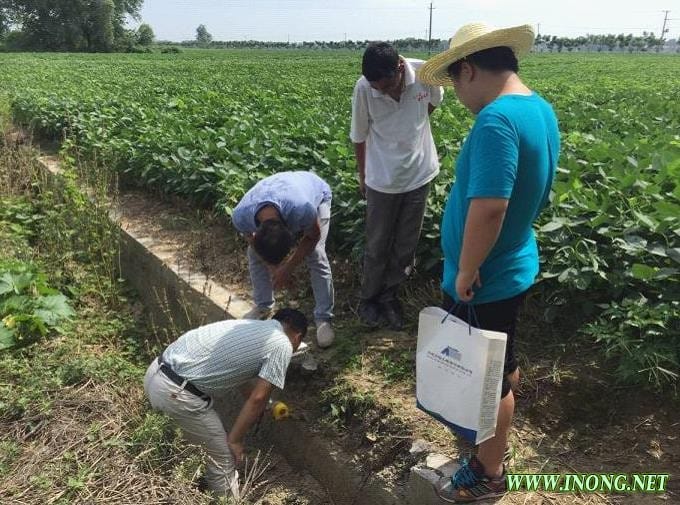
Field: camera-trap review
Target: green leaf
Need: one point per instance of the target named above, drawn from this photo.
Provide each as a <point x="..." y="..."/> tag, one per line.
<point x="646" y="220"/>
<point x="6" y="284"/>
<point x="643" y="272"/>
<point x="674" y="253"/>
<point x="6" y="337"/>
<point x="17" y="282"/>
<point x="551" y="226"/>
<point x="667" y="210"/>
<point x="53" y="309"/>
<point x="565" y="275"/>
<point x="665" y="273"/>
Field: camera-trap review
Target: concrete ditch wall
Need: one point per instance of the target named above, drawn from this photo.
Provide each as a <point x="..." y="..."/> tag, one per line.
<point x="178" y="298"/>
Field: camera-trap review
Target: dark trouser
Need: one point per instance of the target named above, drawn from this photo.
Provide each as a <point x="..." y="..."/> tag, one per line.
<point x="393" y="224"/>
<point x="495" y="316"/>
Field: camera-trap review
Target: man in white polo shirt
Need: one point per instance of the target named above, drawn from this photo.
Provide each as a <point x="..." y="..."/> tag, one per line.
<point x="211" y="360"/>
<point x="396" y="159"/>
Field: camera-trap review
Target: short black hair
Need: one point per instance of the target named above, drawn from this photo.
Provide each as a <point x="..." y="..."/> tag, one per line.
<point x="273" y="241"/>
<point x="380" y="61"/>
<point x="494" y="59"/>
<point x="293" y="318"/>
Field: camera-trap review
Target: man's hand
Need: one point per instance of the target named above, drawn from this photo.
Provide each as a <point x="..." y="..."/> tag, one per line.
<point x="237" y="449"/>
<point x="464" y="284"/>
<point x="281" y="276"/>
<point x="482" y="227"/>
<point x="248" y="416"/>
<point x="362" y="187"/>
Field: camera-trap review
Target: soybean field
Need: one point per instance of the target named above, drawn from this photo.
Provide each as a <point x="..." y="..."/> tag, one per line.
<point x="207" y="125"/>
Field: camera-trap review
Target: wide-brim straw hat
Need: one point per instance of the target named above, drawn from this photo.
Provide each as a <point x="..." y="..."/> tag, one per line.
<point x="470" y="39"/>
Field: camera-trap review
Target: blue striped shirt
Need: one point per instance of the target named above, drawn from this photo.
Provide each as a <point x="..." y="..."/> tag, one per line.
<point x="296" y="195"/>
<point x="220" y="356"/>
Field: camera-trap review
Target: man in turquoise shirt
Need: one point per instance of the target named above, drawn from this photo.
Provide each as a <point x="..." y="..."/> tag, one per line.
<point x="503" y="177"/>
<point x="510" y="156"/>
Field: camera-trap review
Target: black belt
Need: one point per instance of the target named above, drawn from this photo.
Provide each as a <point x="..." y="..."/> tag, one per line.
<point x="179" y="380"/>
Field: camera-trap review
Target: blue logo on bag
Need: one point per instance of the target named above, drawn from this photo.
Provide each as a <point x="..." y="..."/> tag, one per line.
<point x="451" y="352"/>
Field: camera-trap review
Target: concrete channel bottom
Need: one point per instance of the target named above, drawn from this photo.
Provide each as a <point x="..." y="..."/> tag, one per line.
<point x="177" y="297"/>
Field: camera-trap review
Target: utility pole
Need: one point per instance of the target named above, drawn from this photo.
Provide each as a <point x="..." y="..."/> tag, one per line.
<point x="429" y="38"/>
<point x="663" y="30"/>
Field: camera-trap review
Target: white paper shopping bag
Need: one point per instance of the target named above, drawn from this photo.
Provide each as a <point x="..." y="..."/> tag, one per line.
<point x="459" y="372"/>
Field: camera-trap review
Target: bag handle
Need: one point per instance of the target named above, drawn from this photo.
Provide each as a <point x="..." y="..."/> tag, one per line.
<point x="472" y="315"/>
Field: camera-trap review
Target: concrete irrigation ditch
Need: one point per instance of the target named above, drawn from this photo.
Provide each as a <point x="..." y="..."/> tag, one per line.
<point x="178" y="297"/>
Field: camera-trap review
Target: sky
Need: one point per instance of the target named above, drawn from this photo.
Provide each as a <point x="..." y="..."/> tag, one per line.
<point x="304" y="20"/>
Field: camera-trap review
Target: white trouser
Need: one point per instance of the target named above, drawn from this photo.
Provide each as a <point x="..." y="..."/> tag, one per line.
<point x="200" y="425"/>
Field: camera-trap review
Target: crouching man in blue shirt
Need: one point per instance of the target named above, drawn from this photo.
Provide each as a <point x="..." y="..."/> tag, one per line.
<point x="272" y="215"/>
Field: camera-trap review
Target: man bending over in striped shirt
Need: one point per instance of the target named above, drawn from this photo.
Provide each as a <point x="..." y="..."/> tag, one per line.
<point x="211" y="360"/>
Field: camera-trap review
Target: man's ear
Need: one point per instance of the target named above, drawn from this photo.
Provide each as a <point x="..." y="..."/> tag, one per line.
<point x="298" y="338"/>
<point x="469" y="70"/>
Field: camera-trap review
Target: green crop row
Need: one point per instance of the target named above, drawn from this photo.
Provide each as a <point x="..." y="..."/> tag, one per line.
<point x="209" y="125"/>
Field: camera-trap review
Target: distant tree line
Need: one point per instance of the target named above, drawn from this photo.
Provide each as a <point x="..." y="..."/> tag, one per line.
<point x="71" y="25"/>
<point x="551" y="43"/>
<point x="205" y="40"/>
<point x="611" y="42"/>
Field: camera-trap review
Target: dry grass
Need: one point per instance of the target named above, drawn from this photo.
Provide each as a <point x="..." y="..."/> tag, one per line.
<point x="78" y="453"/>
<point x="18" y="168"/>
<point x="81" y="443"/>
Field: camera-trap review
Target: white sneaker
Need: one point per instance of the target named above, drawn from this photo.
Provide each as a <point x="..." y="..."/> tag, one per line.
<point x="258" y="313"/>
<point x="324" y="334"/>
